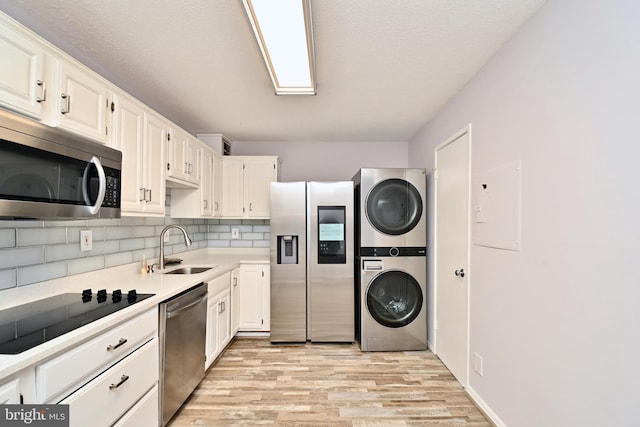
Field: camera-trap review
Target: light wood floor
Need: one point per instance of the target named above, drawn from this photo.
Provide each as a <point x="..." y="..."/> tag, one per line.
<point x="259" y="383"/>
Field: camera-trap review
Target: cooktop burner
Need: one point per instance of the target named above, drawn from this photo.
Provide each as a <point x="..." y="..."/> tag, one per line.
<point x="29" y="325"/>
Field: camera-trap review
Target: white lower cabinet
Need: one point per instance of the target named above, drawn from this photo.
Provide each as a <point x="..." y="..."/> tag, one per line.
<point x="218" y="317"/>
<point x="10" y="392"/>
<point x="144" y="413"/>
<point x="254" y="284"/>
<point x="235" y="301"/>
<point x="69" y="371"/>
<point x="113" y="393"/>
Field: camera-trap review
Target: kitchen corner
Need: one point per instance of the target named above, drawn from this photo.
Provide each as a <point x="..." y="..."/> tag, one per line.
<point x="124" y="277"/>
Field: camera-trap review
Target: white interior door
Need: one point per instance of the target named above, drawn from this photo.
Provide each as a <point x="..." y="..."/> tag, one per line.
<point x="452" y="253"/>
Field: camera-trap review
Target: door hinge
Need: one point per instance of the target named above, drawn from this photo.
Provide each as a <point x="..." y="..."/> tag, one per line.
<point x="113" y="107"/>
<point x="168" y="166"/>
<point x="21" y="399"/>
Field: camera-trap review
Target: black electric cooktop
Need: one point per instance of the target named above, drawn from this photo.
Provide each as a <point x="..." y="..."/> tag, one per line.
<point x="29" y="325"/>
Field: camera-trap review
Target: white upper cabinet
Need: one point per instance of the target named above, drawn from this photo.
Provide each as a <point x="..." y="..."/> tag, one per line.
<point x="42" y="82"/>
<point x="155" y="136"/>
<point x="82" y="100"/>
<point x="140" y="135"/>
<point x="246" y="181"/>
<point x="200" y="202"/>
<point x="183" y="168"/>
<point x="24" y="72"/>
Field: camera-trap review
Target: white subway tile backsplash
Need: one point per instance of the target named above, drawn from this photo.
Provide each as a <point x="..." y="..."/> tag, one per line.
<point x="38" y="236"/>
<point x="62" y="252"/>
<point x="8" y="278"/>
<point x="252" y="236"/>
<point x="41" y="272"/>
<point x="219" y="243"/>
<point x="36" y="251"/>
<point x="83" y="265"/>
<point x="131" y="244"/>
<point x="241" y="244"/>
<point x="7" y="238"/>
<point x="17" y="257"/>
<point x="120" y="258"/>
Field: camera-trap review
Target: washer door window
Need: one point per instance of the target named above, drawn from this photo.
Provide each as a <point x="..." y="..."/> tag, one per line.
<point x="394" y="298"/>
<point x="394" y="206"/>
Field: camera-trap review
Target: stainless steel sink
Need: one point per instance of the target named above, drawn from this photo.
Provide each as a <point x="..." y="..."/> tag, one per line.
<point x="189" y="270"/>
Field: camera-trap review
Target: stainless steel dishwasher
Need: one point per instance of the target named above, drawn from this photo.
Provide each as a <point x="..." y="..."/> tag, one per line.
<point x="182" y="330"/>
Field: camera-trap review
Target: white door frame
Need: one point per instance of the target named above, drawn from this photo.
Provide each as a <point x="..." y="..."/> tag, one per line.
<point x="434" y="273"/>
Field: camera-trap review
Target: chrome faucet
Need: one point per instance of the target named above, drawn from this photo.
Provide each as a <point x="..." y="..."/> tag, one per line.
<point x="187" y="241"/>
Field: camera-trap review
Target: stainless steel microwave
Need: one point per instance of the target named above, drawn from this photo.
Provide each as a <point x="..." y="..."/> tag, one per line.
<point x="47" y="173"/>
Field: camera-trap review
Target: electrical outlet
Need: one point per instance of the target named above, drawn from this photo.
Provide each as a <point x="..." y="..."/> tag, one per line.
<point x="235" y="233"/>
<point x="477" y="363"/>
<point x="167" y="236"/>
<point x="86" y="240"/>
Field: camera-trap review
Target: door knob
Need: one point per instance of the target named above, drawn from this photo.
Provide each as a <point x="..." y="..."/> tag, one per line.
<point x="460" y="273"/>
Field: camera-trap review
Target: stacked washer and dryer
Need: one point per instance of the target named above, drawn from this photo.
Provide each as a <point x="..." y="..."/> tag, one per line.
<point x="391" y="263"/>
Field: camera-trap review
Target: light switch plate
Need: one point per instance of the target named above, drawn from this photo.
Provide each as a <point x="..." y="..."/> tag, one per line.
<point x="235" y="233"/>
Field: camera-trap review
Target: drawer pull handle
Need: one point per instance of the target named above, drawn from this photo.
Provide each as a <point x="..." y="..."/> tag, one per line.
<point x="122" y="381"/>
<point x="120" y="343"/>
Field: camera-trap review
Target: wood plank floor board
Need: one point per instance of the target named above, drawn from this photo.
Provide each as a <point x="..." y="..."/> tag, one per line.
<point x="259" y="383"/>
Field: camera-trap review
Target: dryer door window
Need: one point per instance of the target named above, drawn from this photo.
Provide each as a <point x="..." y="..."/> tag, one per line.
<point x="394" y="206"/>
<point x="394" y="298"/>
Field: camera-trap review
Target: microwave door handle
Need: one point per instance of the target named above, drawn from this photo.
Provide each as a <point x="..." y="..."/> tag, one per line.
<point x="102" y="190"/>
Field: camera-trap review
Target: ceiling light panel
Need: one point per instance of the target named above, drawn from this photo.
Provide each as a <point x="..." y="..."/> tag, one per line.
<point x="284" y="33"/>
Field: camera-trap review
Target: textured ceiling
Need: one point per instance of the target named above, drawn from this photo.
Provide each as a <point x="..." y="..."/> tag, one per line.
<point x="384" y="67"/>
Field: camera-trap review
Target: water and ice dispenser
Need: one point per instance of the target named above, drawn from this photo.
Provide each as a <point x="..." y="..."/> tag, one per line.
<point x="287" y="249"/>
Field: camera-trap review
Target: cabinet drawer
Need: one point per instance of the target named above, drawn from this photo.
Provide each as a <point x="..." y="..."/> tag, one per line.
<point x="10" y="393"/>
<point x="72" y="368"/>
<point x="219" y="284"/>
<point x="144" y="413"/>
<point x="110" y="395"/>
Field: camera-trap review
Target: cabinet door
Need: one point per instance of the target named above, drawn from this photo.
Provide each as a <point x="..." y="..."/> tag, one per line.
<point x="128" y="137"/>
<point x="233" y="187"/>
<point x="192" y="156"/>
<point x="10" y="393"/>
<point x="22" y="77"/>
<point x="155" y="139"/>
<point x="212" y="332"/>
<point x="206" y="183"/>
<point x="259" y="173"/>
<point x="251" y="298"/>
<point x="224" y="320"/>
<point x="266" y="297"/>
<point x="235" y="301"/>
<point x="83" y="102"/>
<point x="144" y="414"/>
<point x="176" y="155"/>
<point x="216" y="190"/>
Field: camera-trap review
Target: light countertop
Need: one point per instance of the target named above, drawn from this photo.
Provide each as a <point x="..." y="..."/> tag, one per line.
<point x="126" y="277"/>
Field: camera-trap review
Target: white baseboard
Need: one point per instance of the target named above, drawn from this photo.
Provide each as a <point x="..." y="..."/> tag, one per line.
<point x="485" y="408"/>
<point x="253" y="334"/>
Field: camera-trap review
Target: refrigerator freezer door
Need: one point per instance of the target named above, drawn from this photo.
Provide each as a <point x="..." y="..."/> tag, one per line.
<point x="288" y="276"/>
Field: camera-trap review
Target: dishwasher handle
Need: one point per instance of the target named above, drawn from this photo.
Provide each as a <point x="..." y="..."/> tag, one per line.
<point x="177" y="312"/>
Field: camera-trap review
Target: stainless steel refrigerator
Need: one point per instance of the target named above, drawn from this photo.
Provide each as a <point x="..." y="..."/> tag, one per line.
<point x="312" y="256"/>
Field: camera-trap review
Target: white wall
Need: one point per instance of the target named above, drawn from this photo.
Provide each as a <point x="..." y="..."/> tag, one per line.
<point x="558" y="323"/>
<point x="326" y="161"/>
